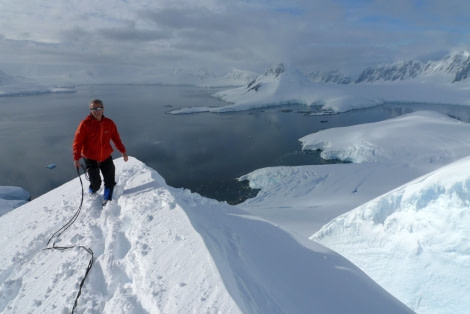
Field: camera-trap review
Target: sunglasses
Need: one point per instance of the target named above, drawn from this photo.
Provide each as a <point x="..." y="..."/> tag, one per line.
<point x="97" y="109"/>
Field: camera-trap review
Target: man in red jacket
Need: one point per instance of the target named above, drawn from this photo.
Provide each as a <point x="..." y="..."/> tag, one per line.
<point x="93" y="142"/>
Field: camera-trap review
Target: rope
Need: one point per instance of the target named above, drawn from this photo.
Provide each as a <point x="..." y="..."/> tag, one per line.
<point x="59" y="232"/>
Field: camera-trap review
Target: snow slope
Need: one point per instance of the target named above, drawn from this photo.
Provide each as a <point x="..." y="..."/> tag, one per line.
<point x="414" y="241"/>
<point x="163" y="250"/>
<point x="423" y="224"/>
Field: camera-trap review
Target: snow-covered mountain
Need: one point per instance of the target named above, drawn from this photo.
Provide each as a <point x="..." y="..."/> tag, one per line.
<point x="278" y="85"/>
<point x="330" y="77"/>
<point x="455" y="66"/>
<point x="408" y="81"/>
<point x="458" y="65"/>
<point x="278" y="75"/>
<point x="398" y="71"/>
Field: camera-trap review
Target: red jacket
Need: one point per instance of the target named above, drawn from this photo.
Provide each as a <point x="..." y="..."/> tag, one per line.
<point x="92" y="139"/>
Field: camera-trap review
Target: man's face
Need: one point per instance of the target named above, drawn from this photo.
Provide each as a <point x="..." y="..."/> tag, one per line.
<point x="97" y="110"/>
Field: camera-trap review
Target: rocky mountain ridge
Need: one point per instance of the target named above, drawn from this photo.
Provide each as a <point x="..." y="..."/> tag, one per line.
<point x="456" y="66"/>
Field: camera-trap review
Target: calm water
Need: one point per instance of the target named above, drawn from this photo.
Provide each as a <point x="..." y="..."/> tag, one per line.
<point x="202" y="152"/>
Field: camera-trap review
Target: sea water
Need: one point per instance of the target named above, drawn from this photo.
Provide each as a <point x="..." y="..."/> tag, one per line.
<point x="203" y="152"/>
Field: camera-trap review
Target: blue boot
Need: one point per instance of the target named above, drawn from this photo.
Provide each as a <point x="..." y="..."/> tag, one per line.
<point x="108" y="194"/>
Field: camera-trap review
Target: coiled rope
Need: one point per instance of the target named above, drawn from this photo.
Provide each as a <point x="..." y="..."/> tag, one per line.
<point x="59" y="232"/>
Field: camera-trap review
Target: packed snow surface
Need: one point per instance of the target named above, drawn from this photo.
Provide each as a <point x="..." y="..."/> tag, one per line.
<point x="159" y="249"/>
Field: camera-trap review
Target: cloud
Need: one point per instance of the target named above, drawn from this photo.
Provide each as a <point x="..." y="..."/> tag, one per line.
<point x="132" y="35"/>
<point x="160" y="36"/>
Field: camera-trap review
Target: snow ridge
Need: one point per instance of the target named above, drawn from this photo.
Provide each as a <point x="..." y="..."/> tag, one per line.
<point x="424" y="224"/>
<point x="164" y="250"/>
<point x="456" y="66"/>
<point x="330" y="77"/>
<point x="127" y="275"/>
<point x="398" y="71"/>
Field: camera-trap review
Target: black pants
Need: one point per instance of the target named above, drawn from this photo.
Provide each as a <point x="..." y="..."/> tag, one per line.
<point x="107" y="169"/>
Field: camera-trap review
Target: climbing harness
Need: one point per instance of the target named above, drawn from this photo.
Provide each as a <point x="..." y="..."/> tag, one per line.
<point x="59" y="232"/>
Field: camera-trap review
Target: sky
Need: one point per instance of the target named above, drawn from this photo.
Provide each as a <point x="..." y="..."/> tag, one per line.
<point x="146" y="40"/>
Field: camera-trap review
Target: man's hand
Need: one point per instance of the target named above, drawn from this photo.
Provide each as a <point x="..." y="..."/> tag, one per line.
<point x="126" y="158"/>
<point x="76" y="163"/>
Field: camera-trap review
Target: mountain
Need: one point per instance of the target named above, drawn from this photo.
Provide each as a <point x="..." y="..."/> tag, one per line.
<point x="278" y="85"/>
<point x="330" y="77"/>
<point x="398" y="71"/>
<point x="456" y="66"/>
<point x="158" y="249"/>
<point x="411" y="81"/>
